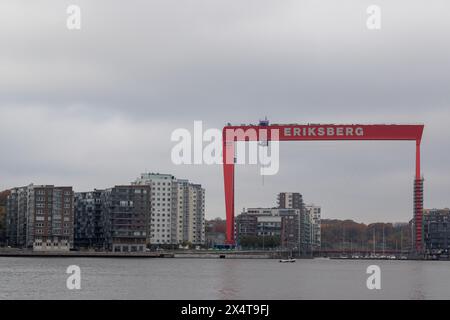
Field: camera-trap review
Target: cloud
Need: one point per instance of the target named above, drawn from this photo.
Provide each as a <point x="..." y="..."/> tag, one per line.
<point x="96" y="107"/>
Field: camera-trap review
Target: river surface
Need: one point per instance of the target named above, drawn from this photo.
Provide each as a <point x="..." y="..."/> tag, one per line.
<point x="171" y="278"/>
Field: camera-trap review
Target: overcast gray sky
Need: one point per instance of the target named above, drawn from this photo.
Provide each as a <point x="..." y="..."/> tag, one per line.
<point x="96" y="107"/>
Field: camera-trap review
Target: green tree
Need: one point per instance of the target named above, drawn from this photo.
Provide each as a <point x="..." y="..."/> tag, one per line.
<point x="259" y="242"/>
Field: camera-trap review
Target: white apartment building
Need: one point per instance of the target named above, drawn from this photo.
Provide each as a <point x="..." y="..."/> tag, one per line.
<point x="189" y="211"/>
<point x="159" y="230"/>
<point x="315" y="215"/>
<point x="178" y="210"/>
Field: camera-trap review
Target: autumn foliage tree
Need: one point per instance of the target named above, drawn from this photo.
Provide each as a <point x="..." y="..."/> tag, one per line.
<point x="348" y="234"/>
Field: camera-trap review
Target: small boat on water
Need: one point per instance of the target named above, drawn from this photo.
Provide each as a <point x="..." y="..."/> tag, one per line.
<point x="287" y="260"/>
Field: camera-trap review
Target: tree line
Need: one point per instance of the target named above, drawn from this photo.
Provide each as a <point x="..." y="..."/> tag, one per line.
<point x="350" y="235"/>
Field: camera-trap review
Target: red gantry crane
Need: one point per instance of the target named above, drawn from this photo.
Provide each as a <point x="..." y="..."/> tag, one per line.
<point x="297" y="132"/>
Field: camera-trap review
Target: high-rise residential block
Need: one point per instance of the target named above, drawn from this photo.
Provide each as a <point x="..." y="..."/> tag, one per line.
<point x="41" y="217"/>
<point x="178" y="210"/>
<point x="282" y="223"/>
<point x="189" y="212"/>
<point x="3" y="198"/>
<point x="294" y="200"/>
<point x="314" y="213"/>
<point x="126" y="210"/>
<point x="160" y="229"/>
<point x="436" y="226"/>
<point x="114" y="219"/>
<point x="89" y="220"/>
<point x="290" y="200"/>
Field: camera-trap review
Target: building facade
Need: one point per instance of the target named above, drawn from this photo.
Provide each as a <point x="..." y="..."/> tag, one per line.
<point x="296" y="225"/>
<point x="178" y="210"/>
<point x="246" y="225"/>
<point x="16" y="217"/>
<point x="436" y="226"/>
<point x="294" y="200"/>
<point x="114" y="219"/>
<point x="290" y="200"/>
<point x="89" y="220"/>
<point x="126" y="211"/>
<point x="290" y="228"/>
<point x="159" y="229"/>
<point x="188" y="212"/>
<point x="281" y="223"/>
<point x="314" y="212"/>
<point x="3" y="198"/>
<point x="41" y="217"/>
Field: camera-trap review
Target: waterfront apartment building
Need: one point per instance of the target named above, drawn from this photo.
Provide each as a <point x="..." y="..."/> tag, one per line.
<point x="245" y="225"/>
<point x="3" y="197"/>
<point x="297" y="225"/>
<point x="290" y="228"/>
<point x="160" y="229"/>
<point x="188" y="212"/>
<point x="178" y="210"/>
<point x="126" y="211"/>
<point x="89" y="220"/>
<point x="314" y="213"/>
<point x="290" y="200"/>
<point x="436" y="226"/>
<point x="40" y="217"/>
<point x="282" y="223"/>
<point x="294" y="200"/>
<point x="16" y="217"/>
<point x="257" y="224"/>
<point x="114" y="219"/>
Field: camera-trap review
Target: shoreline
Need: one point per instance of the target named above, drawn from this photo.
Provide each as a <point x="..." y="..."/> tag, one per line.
<point x="141" y="255"/>
<point x="179" y="255"/>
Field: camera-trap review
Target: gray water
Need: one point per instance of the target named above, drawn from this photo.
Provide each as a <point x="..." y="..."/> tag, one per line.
<point x="45" y="278"/>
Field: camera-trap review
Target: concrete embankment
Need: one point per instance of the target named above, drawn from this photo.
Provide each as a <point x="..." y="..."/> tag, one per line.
<point x="222" y="256"/>
<point x="80" y="254"/>
<point x="160" y="254"/>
